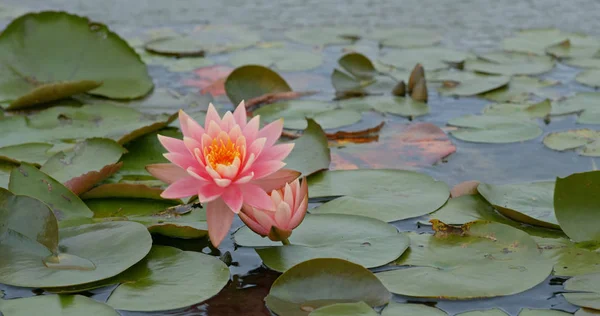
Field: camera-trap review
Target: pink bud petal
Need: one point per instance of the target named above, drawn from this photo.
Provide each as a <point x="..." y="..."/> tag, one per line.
<point x="257" y="197"/>
<point x="283" y="214"/>
<point x="276" y="180"/>
<point x="263" y="219"/>
<point x="219" y="218"/>
<point x="266" y="168"/>
<point x="299" y="214"/>
<point x="251" y="223"/>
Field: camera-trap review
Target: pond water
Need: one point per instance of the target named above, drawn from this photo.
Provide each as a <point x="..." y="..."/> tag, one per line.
<point x="465" y="25"/>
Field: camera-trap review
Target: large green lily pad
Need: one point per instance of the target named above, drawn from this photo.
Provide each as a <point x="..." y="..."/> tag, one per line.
<point x="583" y="103"/>
<point x="311" y="151"/>
<point x="479" y="259"/>
<point x="253" y="81"/>
<point x="467" y="208"/>
<point x="536" y="41"/>
<point x="293" y="112"/>
<point x="64" y="305"/>
<point x="567" y="50"/>
<point x="387" y="104"/>
<point x="520" y="89"/>
<point x="49" y="55"/>
<point x="405" y="37"/>
<point x="486" y="312"/>
<point x="530" y="203"/>
<point x="475" y="85"/>
<point x="375" y="193"/>
<point x="432" y="58"/>
<point x="590" y="284"/>
<point x="362" y="240"/>
<point x="281" y="58"/>
<point x="570" y="259"/>
<point x="34" y="153"/>
<point x="69" y="123"/>
<point x="593" y="63"/>
<point x="524" y="110"/>
<point x="28" y="180"/>
<point x="541" y="312"/>
<point x="321" y="36"/>
<point x="576" y="205"/>
<point x="345" y="309"/>
<point x="395" y="309"/>
<point x="5" y="169"/>
<point x="358" y="65"/>
<point x="86" y="253"/>
<point x="494" y="129"/>
<point x="509" y="64"/>
<point x="321" y="282"/>
<point x="590" y="77"/>
<point x="585" y="141"/>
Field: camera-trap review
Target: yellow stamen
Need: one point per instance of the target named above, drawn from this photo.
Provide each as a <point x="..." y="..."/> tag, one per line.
<point x="221" y="153"/>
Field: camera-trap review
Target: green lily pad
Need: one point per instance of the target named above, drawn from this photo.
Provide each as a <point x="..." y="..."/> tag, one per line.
<point x="5" y="170"/>
<point x="34" y="153"/>
<point x="479" y="259"/>
<point x="405" y="37"/>
<point x="78" y="56"/>
<point x="541" y="312"/>
<point x="358" y="65"/>
<point x="467" y="208"/>
<point x="525" y="110"/>
<point x="567" y="50"/>
<point x="211" y="39"/>
<point x="281" y="58"/>
<point x="321" y="36"/>
<point x="64" y="305"/>
<point x="584" y="103"/>
<point x="530" y="203"/>
<point x="536" y="41"/>
<point x="311" y="151"/>
<point x="509" y="64"/>
<point x="593" y="63"/>
<point x="320" y="282"/>
<point x="588" y="283"/>
<point x="87" y="253"/>
<point x="253" y="81"/>
<point x="432" y="58"/>
<point x="395" y="309"/>
<point x="293" y="112"/>
<point x="387" y="104"/>
<point x="570" y="259"/>
<point x="487" y="312"/>
<point x="587" y="312"/>
<point x="476" y="85"/>
<point x="519" y="89"/>
<point x="584" y="140"/>
<point x="575" y="204"/>
<point x="494" y="129"/>
<point x="68" y="123"/>
<point x="82" y="167"/>
<point x="362" y="240"/>
<point x="345" y="309"/>
<point x="590" y="77"/>
<point x="28" y="180"/>
<point x="347" y="84"/>
<point x="374" y="193"/>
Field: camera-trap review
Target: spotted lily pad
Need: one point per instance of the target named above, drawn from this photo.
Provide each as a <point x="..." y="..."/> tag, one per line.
<point x="526" y="110"/>
<point x="467" y="208"/>
<point x="374" y="193"/>
<point x="478" y="259"/>
<point x="508" y="64"/>
<point x="530" y="203"/>
<point x="64" y="305"/>
<point x="576" y="203"/>
<point x="253" y="81"/>
<point x="585" y="141"/>
<point x="570" y="259"/>
<point x="494" y="129"/>
<point x="362" y="240"/>
<point x="519" y="89"/>
<point x="320" y="282"/>
<point x="50" y="55"/>
<point x="432" y="58"/>
<point x="589" y="284"/>
<point x="34" y="153"/>
<point x="281" y="58"/>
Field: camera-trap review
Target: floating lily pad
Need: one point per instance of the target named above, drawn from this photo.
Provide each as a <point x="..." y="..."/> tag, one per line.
<point x="589" y="283"/>
<point x="570" y="259"/>
<point x="508" y="64"/>
<point x="541" y="312"/>
<point x="321" y="282"/>
<point x="487" y="312"/>
<point x="281" y="58"/>
<point x="530" y="203"/>
<point x="584" y="140"/>
<point x="64" y="305"/>
<point x="34" y="153"/>
<point x="311" y="151"/>
<point x="479" y="259"/>
<point x="321" y="36"/>
<point x="576" y="205"/>
<point x="210" y="39"/>
<point x="405" y="37"/>
<point x="362" y="240"/>
<point x="68" y="123"/>
<point x="536" y="41"/>
<point x="358" y="65"/>
<point x="584" y="103"/>
<point x="589" y="77"/>
<point x="51" y="55"/>
<point x="519" y="89"/>
<point x="467" y="208"/>
<point x="387" y="104"/>
<point x="494" y="129"/>
<point x="526" y="110"/>
<point x="293" y="112"/>
<point x="253" y="81"/>
<point x="86" y="254"/>
<point x="476" y="85"/>
<point x="5" y="169"/>
<point x="567" y="50"/>
<point x="374" y="193"/>
<point x="432" y="58"/>
<point x="28" y="180"/>
<point x="347" y="84"/>
<point x="587" y="312"/>
<point x="345" y="309"/>
<point x="583" y="62"/>
<point x="395" y="309"/>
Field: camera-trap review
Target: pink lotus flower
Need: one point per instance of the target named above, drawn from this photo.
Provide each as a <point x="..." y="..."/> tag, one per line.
<point x="227" y="163"/>
<point x="289" y="208"/>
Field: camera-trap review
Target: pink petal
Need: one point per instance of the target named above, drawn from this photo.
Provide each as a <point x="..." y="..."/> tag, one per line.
<point x="212" y="115"/>
<point x="277" y="152"/>
<point x="234" y="133"/>
<point x="166" y="172"/>
<point x="213" y="129"/>
<point x="255" y="196"/>
<point x="192" y="144"/>
<point x="257" y="146"/>
<point x="199" y="174"/>
<point x="219" y="218"/>
<point x="212" y="172"/>
<point x="288" y="195"/>
<point x="299" y="214"/>
<point x="173" y="145"/>
<point x="223" y="183"/>
<point x="251" y="129"/>
<point x="182" y="160"/>
<point x="181" y="188"/>
<point x="283" y="214"/>
<point x="263" y="219"/>
<point x="228" y="122"/>
<point x="252" y="224"/>
<point x="272" y="132"/>
<point x="245" y="179"/>
<point x="229" y="172"/>
<point x="277" y="180"/>
<point x="232" y="196"/>
<point x="266" y="168"/>
<point x="189" y="127"/>
<point x="209" y="192"/>
<point x="240" y="114"/>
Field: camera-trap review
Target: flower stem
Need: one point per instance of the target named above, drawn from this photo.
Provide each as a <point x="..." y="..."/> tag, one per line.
<point x="285" y="242"/>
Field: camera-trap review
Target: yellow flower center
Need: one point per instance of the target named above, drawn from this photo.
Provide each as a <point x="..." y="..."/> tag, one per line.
<point x="221" y="153"/>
